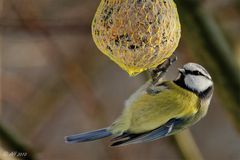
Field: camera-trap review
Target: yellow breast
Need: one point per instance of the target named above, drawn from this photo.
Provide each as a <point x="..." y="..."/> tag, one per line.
<point x="148" y="112"/>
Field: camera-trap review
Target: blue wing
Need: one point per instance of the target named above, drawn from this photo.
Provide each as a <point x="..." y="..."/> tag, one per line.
<point x="162" y="131"/>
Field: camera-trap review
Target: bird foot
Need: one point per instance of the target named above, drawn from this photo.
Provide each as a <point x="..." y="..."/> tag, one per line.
<point x="162" y="69"/>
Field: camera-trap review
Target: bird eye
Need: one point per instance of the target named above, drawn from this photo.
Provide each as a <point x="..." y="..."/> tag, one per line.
<point x="196" y="73"/>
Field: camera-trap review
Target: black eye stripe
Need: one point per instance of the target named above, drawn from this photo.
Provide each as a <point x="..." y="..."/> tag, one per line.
<point x="194" y="72"/>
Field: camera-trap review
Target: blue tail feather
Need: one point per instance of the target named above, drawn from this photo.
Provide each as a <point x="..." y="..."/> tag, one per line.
<point x="88" y="136"/>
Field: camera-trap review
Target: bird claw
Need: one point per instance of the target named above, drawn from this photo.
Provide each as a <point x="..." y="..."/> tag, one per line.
<point x="162" y="69"/>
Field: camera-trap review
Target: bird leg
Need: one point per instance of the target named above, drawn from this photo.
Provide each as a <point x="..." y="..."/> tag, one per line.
<point x="162" y="69"/>
<point x="156" y="74"/>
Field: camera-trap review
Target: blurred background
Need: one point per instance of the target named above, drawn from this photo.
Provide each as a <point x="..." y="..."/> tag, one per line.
<point x="55" y="82"/>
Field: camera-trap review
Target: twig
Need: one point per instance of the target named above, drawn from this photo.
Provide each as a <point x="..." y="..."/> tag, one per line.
<point x="187" y="146"/>
<point x="14" y="145"/>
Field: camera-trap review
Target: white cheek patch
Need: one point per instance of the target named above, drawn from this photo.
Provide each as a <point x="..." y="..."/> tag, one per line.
<point x="197" y="82"/>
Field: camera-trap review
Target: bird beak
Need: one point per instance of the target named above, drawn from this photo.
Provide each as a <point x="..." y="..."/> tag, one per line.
<point x="181" y="70"/>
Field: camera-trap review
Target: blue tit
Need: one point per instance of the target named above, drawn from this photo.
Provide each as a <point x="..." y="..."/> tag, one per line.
<point x="159" y="110"/>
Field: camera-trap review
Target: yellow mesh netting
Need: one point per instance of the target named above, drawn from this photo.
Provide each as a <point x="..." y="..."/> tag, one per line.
<point x="137" y="34"/>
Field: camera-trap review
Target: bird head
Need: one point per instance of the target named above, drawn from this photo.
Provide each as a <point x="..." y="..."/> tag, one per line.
<point x="195" y="77"/>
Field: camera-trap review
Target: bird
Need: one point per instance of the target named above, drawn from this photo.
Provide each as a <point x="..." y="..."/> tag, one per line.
<point x="158" y="110"/>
